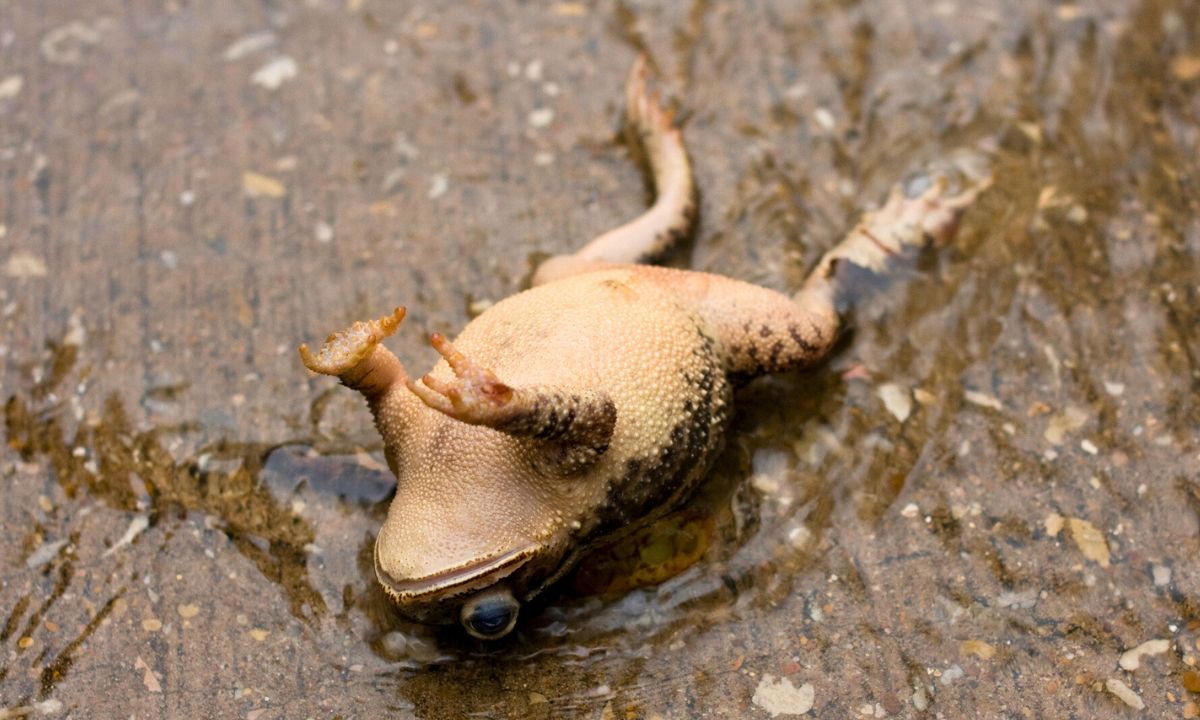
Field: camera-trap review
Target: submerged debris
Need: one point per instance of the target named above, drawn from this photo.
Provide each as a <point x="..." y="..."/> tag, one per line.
<point x="1090" y="540"/>
<point x="1122" y="691"/>
<point x="1132" y="659"/>
<point x="44" y="554"/>
<point x="896" y="399"/>
<point x="149" y="678"/>
<point x="983" y="400"/>
<point x="1062" y="423"/>
<point x="781" y="697"/>
<point x="139" y="523"/>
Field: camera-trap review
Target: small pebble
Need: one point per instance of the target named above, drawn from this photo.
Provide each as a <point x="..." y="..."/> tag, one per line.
<point x="1090" y="540"/>
<point x="1132" y="659"/>
<point x="1190" y="679"/>
<point x="983" y="400"/>
<point x="1122" y="691"/>
<point x="951" y="674"/>
<point x="896" y="399"/>
<point x="323" y="232"/>
<point x="1162" y="575"/>
<point x="248" y="45"/>
<point x="1185" y="67"/>
<point x="1062" y="423"/>
<point x="570" y="9"/>
<point x="824" y="118"/>
<point x="1024" y="600"/>
<point x="541" y="117"/>
<point x="256" y="185"/>
<point x="152" y="625"/>
<point x="22" y="264"/>
<point x="275" y="73"/>
<point x="1054" y="524"/>
<point x="978" y="648"/>
<point x="188" y="611"/>
<point x="44" y="554"/>
<point x="781" y="697"/>
<point x="439" y="186"/>
<point x="924" y="397"/>
<point x="920" y="700"/>
<point x="10" y="86"/>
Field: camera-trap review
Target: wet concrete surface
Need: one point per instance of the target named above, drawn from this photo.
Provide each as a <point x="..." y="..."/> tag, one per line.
<point x="977" y="508"/>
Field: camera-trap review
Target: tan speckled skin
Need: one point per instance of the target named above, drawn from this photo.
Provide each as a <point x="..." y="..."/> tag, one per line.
<point x="467" y="493"/>
<point x="491" y="491"/>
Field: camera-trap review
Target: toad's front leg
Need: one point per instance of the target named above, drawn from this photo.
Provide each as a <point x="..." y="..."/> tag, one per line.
<point x="570" y="430"/>
<point x="357" y="358"/>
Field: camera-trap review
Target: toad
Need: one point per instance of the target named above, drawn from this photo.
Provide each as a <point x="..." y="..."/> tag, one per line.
<point x="593" y="402"/>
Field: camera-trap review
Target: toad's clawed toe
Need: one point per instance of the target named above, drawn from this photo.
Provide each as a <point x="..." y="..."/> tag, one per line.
<point x="475" y="395"/>
<point x="342" y="351"/>
<point x="644" y="110"/>
<point x="933" y="212"/>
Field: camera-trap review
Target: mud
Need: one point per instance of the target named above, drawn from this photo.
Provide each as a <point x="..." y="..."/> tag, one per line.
<point x="984" y="500"/>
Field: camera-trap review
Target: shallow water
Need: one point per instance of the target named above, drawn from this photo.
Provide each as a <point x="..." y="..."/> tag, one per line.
<point x="190" y="191"/>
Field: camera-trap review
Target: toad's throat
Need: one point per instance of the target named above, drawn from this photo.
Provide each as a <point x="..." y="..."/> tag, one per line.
<point x="456" y="580"/>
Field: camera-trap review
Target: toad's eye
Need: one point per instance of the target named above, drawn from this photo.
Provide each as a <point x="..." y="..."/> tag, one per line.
<point x="490" y="616"/>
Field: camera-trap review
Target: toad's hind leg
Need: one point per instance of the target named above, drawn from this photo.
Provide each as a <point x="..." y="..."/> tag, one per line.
<point x="763" y="331"/>
<point x="670" y="219"/>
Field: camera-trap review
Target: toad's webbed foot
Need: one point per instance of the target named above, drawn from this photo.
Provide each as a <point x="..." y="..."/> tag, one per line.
<point x="573" y="428"/>
<point x="901" y="225"/>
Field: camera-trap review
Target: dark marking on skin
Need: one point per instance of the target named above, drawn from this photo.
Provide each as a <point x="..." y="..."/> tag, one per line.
<point x="803" y="342"/>
<point x="776" y="350"/>
<point x="832" y="269"/>
<point x="569" y="431"/>
<point x="653" y="481"/>
<point x="764" y="331"/>
<point x="646" y="487"/>
<point x="877" y="242"/>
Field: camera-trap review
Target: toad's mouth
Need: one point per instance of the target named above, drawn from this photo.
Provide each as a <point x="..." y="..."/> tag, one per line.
<point x="455" y="581"/>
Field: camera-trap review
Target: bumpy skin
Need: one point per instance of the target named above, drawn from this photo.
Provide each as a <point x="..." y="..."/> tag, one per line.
<point x="591" y="403"/>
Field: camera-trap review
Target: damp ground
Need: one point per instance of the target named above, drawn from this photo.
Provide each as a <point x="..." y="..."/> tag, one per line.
<point x="986" y="504"/>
